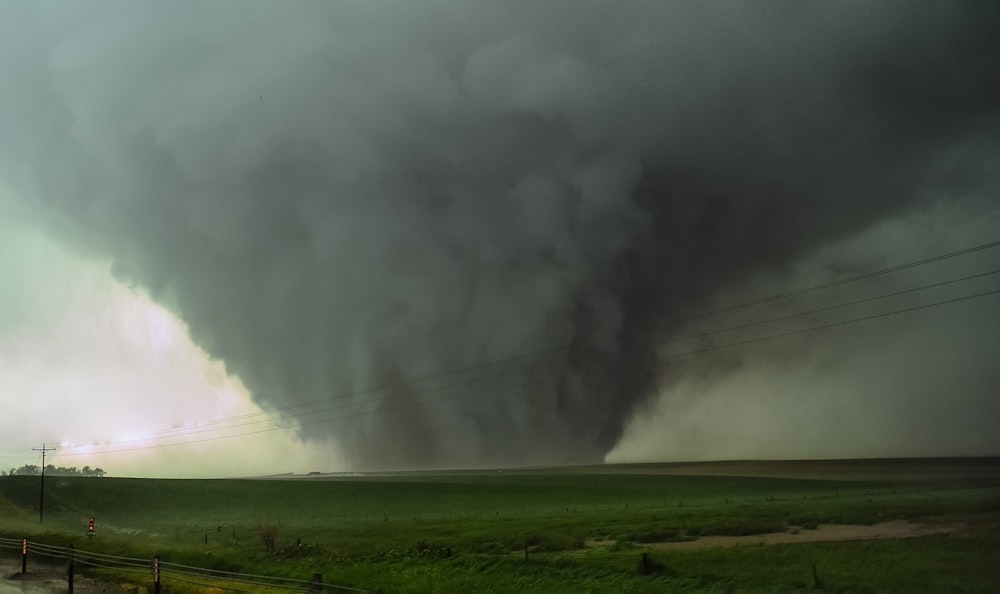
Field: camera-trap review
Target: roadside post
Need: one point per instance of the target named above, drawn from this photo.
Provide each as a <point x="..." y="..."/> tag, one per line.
<point x="24" y="555"/>
<point x="70" y="581"/>
<point x="316" y="584"/>
<point x="156" y="574"/>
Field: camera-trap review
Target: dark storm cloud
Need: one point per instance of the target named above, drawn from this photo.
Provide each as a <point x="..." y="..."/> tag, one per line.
<point x="347" y="194"/>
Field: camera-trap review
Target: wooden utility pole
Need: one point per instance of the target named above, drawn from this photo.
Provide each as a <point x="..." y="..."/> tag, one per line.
<point x="41" y="494"/>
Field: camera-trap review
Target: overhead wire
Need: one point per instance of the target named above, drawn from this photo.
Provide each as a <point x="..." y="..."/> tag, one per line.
<point x="399" y="384"/>
<point x="668" y="356"/>
<point x="307" y="423"/>
<point x="336" y="403"/>
<point x="836" y="283"/>
<point x="504" y="388"/>
<point x="831" y="325"/>
<point x="565" y="347"/>
<point x="827" y="308"/>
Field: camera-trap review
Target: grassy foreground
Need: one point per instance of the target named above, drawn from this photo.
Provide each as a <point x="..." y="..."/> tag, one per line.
<point x="461" y="532"/>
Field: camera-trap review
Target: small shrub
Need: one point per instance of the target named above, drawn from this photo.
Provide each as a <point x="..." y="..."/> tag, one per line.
<point x="619" y="547"/>
<point x="268" y="532"/>
<point x="558" y="542"/>
<point x="662" y="534"/>
<point x="647" y="566"/>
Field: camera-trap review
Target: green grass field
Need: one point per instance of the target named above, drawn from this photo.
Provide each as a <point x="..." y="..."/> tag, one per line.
<point x="459" y="532"/>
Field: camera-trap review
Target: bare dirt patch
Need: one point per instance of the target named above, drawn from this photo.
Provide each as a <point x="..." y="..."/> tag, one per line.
<point x="822" y="533"/>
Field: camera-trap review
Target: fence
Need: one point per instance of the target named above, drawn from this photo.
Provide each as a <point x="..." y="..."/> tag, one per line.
<point x="158" y="572"/>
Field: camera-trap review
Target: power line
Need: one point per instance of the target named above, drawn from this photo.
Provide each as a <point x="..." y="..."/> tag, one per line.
<point x="831" y="325"/>
<point x="546" y="380"/>
<point x="327" y="407"/>
<point x="560" y="349"/>
<point x="836" y="283"/>
<point x="228" y="423"/>
<point x="828" y="308"/>
<point x="336" y="402"/>
<point x="313" y="422"/>
<point x="333" y="404"/>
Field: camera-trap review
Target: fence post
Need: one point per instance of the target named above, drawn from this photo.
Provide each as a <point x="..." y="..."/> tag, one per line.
<point x="24" y="555"/>
<point x="70" y="584"/>
<point x="316" y="587"/>
<point x="156" y="574"/>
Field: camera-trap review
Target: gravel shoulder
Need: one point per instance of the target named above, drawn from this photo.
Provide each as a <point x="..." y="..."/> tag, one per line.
<point x="46" y="579"/>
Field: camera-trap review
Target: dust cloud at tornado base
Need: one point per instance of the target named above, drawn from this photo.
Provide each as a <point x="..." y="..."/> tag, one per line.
<point x="336" y="196"/>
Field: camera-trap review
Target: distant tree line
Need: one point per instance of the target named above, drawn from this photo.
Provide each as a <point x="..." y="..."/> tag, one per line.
<point x="35" y="470"/>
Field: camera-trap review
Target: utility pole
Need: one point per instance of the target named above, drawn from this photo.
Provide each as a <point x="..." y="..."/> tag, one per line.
<point x="41" y="495"/>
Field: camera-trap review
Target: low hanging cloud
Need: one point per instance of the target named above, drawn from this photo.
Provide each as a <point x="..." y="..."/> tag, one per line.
<point x="97" y="371"/>
<point x="341" y="195"/>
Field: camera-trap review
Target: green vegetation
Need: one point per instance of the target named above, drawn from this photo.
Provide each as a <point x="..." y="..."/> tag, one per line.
<point x="35" y="470"/>
<point x="584" y="532"/>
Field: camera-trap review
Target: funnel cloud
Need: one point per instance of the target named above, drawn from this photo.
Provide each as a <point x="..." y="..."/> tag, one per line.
<point x="337" y="196"/>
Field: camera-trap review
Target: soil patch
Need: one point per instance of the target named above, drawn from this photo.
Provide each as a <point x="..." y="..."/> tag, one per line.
<point x="822" y="533"/>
